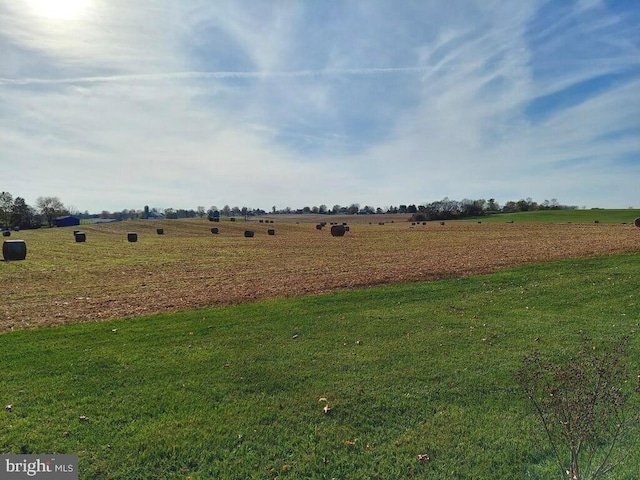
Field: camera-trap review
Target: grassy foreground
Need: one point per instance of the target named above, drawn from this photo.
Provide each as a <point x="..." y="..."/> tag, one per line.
<point x="233" y="393"/>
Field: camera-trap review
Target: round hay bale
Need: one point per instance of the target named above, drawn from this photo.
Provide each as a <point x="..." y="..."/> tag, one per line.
<point x="81" y="237"/>
<point x="249" y="233"/>
<point x="271" y="231"/>
<point x="338" y="230"/>
<point x="346" y="228"/>
<point x="160" y="231"/>
<point x="260" y="221"/>
<point x="14" y="250"/>
<point x="132" y="237"/>
<point x="637" y="222"/>
<point x="441" y="223"/>
<point x="319" y="226"/>
<point x="380" y="223"/>
<point x="232" y="219"/>
<point x="16" y="228"/>
<point x="216" y="219"/>
<point x="413" y="223"/>
<point x="6" y="233"/>
<point x="214" y="230"/>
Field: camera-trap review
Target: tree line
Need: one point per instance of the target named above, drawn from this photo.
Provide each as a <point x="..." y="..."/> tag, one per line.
<point x="16" y="213"/>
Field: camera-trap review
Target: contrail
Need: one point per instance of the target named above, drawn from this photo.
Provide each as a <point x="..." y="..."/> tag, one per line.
<point x="214" y="76"/>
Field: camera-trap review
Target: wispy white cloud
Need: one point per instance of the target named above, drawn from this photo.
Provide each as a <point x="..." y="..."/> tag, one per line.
<point x="304" y="103"/>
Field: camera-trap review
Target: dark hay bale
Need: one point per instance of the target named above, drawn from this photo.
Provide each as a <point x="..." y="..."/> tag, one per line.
<point x="260" y="221"/>
<point x="319" y="226"/>
<point x="338" y="230"/>
<point x="160" y="231"/>
<point x="597" y="221"/>
<point x="214" y="230"/>
<point x="14" y="250"/>
<point x="271" y="231"/>
<point x="271" y="221"/>
<point x="249" y="233"/>
<point x="441" y="223"/>
<point x="16" y="229"/>
<point x="344" y="223"/>
<point x="424" y="223"/>
<point x="216" y="219"/>
<point x="637" y="222"/>
<point x="346" y="228"/>
<point x="6" y="233"/>
<point x="232" y="219"/>
<point x="380" y="223"/>
<point x="132" y="237"/>
<point x="80" y="237"/>
<point x="413" y="223"/>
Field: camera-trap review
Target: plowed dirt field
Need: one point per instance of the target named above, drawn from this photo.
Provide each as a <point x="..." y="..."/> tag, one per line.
<point x="62" y="281"/>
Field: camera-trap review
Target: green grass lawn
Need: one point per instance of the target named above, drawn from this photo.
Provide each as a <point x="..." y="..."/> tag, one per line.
<point x="565" y="216"/>
<point x="234" y="392"/>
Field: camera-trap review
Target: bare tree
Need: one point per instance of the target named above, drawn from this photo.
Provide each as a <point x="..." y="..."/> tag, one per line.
<point x="584" y="406"/>
<point x="50" y="208"/>
<point x="6" y="206"/>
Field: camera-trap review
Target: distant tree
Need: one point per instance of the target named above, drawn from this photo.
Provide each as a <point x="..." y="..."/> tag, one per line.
<point x="353" y="208"/>
<point x="402" y="209"/>
<point x="6" y="205"/>
<point x="336" y="209"/>
<point x="201" y="211"/>
<point x="50" y="208"/>
<point x="226" y="211"/>
<point x="369" y="209"/>
<point x="472" y="208"/>
<point x="322" y="209"/>
<point x="23" y="216"/>
<point x="510" y="207"/>
<point x="105" y="214"/>
<point x="492" y="206"/>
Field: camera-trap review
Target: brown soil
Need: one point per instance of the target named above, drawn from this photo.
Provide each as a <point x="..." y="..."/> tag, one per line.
<point x="107" y="277"/>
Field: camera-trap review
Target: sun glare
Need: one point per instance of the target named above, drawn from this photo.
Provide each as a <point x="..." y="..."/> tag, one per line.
<point x="59" y="9"/>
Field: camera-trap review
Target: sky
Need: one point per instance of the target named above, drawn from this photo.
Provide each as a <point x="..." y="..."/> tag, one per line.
<point x="118" y="104"/>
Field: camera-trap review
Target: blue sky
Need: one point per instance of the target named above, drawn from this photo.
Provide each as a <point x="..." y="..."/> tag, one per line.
<point x="114" y="104"/>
